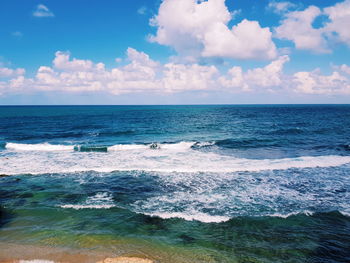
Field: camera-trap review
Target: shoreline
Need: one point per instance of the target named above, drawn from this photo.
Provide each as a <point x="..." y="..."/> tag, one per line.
<point x="19" y="253"/>
<point x="124" y="253"/>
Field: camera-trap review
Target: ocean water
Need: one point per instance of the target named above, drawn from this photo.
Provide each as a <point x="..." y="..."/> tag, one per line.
<point x="224" y="183"/>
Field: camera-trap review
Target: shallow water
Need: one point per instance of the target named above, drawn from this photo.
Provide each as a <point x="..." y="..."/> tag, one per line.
<point x="187" y="183"/>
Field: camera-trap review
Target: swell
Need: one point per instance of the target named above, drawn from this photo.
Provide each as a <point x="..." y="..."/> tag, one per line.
<point x="2" y="145"/>
<point x="115" y="133"/>
<point x="338" y="147"/>
<point x="246" y="143"/>
<point x="287" y="131"/>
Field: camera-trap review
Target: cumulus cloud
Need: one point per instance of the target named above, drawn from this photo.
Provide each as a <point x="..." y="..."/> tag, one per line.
<point x="234" y="79"/>
<point x="267" y="77"/>
<point x="7" y="72"/>
<point x="42" y="11"/>
<point x="298" y="27"/>
<point x="62" y="61"/>
<point x="339" y="16"/>
<point x="143" y="74"/>
<point x="316" y="83"/>
<point x="75" y="75"/>
<point x="345" y="68"/>
<point x="180" y="77"/>
<point x="200" y="29"/>
<point x="9" y="79"/>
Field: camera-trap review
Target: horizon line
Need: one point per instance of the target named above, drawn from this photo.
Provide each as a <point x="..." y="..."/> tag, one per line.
<point x="194" y="104"/>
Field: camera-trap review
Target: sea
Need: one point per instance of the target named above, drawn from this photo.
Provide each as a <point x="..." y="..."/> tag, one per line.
<point x="185" y="183"/>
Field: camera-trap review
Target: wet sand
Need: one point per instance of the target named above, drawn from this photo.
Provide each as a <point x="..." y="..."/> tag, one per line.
<point x="15" y="253"/>
<point x="125" y="253"/>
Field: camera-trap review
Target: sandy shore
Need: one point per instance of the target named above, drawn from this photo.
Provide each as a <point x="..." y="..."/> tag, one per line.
<point x="106" y="260"/>
<point x="125" y="253"/>
<point x="14" y="253"/>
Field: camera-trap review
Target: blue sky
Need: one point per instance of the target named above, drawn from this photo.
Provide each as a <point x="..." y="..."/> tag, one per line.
<point x="174" y="52"/>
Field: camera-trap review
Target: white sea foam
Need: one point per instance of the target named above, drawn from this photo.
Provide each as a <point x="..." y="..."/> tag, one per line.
<point x="203" y="144"/>
<point x="181" y="146"/>
<point x="198" y="216"/>
<point x="99" y="201"/>
<point x="305" y="212"/>
<point x="180" y="157"/>
<point x="38" y="147"/>
<point x="344" y="213"/>
<point x="78" y="207"/>
<point x="200" y="185"/>
<point x="286" y="215"/>
<point x="206" y="218"/>
<point x="128" y="147"/>
<point x="277" y="193"/>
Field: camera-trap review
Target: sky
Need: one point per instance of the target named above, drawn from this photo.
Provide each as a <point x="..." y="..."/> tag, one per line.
<point x="174" y="52"/>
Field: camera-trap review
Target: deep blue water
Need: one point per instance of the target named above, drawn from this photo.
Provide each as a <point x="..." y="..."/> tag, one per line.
<point x="255" y="183"/>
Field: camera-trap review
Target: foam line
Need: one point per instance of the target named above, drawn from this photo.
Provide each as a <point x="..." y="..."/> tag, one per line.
<point x="38" y="147"/>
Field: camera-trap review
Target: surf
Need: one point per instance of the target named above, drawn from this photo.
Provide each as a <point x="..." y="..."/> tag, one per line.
<point x="153" y="157"/>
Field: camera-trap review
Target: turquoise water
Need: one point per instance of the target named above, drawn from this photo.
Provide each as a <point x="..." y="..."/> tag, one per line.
<point x="188" y="183"/>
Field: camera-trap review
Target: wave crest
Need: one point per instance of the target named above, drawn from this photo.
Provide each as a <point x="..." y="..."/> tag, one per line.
<point x="37" y="147"/>
<point x="99" y="201"/>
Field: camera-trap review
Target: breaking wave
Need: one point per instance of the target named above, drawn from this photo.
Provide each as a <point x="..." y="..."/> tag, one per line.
<point x="37" y="147"/>
<point x="163" y="157"/>
<point x="98" y="201"/>
<point x="206" y="218"/>
<point x="42" y="147"/>
<point x="198" y="216"/>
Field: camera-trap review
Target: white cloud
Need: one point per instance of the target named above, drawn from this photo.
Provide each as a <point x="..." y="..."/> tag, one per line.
<point x="345" y="68"/>
<point x="203" y="31"/>
<point x="298" y="27"/>
<point x="246" y="40"/>
<point x="316" y="83"/>
<point x="42" y="11"/>
<point x="267" y="77"/>
<point x="180" y="77"/>
<point x="62" y="61"/>
<point x="7" y="72"/>
<point x="234" y="79"/>
<point x="76" y="75"/>
<point x="280" y="7"/>
<point x="139" y="58"/>
<point x="339" y="16"/>
<point x="142" y="74"/>
<point x="9" y="79"/>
